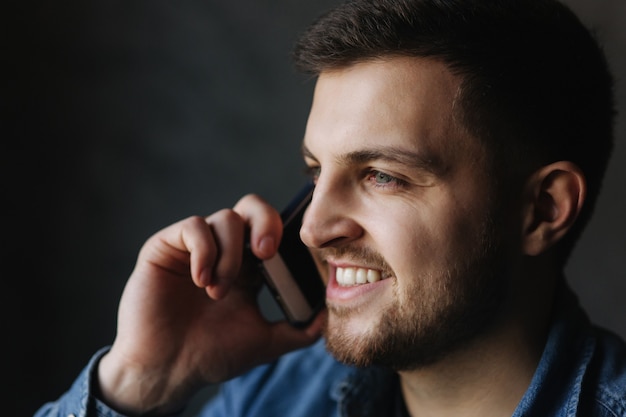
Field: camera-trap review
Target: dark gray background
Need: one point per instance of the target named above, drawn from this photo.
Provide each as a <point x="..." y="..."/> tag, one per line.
<point x="121" y="117"/>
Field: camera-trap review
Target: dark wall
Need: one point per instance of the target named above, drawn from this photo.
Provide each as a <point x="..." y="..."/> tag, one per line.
<point x="122" y="117"/>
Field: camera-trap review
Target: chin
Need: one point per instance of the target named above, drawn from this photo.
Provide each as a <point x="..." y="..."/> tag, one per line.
<point x="349" y="339"/>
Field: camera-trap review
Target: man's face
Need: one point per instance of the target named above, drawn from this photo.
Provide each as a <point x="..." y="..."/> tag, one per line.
<point x="402" y="213"/>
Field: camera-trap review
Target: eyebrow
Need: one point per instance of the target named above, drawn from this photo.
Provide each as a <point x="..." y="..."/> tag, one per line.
<point x="412" y="159"/>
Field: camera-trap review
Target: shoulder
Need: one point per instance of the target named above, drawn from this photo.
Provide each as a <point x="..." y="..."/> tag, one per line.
<point x="583" y="369"/>
<point x="605" y="377"/>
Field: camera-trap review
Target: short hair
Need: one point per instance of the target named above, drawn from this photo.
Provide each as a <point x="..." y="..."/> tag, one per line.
<point x="536" y="87"/>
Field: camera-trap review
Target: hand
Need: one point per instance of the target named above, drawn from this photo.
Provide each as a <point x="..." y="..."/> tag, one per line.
<point x="189" y="317"/>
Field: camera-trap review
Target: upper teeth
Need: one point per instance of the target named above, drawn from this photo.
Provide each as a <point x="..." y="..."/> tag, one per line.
<point x="353" y="276"/>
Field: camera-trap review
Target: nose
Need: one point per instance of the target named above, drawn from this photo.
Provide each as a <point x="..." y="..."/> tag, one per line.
<point x="329" y="219"/>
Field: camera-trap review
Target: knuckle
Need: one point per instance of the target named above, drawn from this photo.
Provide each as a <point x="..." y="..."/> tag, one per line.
<point x="248" y="200"/>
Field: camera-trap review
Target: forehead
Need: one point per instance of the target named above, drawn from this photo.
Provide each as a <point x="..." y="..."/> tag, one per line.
<point x="403" y="102"/>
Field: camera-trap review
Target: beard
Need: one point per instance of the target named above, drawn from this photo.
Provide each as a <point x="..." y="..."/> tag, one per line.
<point x="437" y="314"/>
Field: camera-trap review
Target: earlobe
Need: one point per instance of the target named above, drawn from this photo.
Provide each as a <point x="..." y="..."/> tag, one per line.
<point x="554" y="197"/>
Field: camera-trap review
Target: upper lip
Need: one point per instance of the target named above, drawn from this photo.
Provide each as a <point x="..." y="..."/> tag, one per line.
<point x="337" y="263"/>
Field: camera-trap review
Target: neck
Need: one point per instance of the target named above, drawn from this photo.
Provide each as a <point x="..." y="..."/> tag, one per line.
<point x="489" y="376"/>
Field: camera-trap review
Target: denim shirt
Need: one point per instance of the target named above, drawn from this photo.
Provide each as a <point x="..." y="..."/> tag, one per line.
<point x="582" y="372"/>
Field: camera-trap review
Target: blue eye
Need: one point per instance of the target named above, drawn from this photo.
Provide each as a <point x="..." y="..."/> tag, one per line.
<point x="384" y="181"/>
<point x="382" y="178"/>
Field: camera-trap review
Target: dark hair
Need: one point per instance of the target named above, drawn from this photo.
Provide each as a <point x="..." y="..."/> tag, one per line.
<point x="536" y="86"/>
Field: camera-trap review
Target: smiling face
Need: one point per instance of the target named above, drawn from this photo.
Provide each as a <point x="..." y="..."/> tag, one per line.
<point x="402" y="214"/>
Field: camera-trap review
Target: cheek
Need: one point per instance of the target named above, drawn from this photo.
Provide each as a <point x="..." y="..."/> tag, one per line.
<point x="425" y="242"/>
<point x="408" y="241"/>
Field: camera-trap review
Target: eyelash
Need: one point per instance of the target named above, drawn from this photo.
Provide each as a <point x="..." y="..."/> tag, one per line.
<point x="314" y="171"/>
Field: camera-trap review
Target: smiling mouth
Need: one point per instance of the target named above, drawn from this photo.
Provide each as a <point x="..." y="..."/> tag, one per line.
<point x="351" y="276"/>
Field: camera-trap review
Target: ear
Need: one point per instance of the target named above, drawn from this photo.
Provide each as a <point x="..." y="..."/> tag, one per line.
<point x="553" y="199"/>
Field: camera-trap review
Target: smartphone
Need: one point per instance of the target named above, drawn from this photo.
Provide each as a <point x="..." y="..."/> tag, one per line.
<point x="292" y="275"/>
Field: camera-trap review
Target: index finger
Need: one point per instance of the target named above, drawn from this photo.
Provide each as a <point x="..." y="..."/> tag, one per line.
<point x="266" y="226"/>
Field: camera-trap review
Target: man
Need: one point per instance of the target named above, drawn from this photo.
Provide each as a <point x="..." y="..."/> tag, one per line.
<point x="457" y="149"/>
